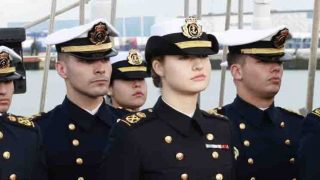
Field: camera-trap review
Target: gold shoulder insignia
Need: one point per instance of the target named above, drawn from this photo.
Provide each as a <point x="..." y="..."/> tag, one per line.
<point x="215" y="112"/>
<point x="316" y="112"/>
<point x="21" y="120"/>
<point x="133" y="118"/>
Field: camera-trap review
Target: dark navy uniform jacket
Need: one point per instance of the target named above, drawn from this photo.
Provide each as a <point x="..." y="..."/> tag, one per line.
<point x="119" y="112"/>
<point x="267" y="141"/>
<point x="309" y="159"/>
<point x="164" y="144"/>
<point x="74" y="140"/>
<point x="21" y="150"/>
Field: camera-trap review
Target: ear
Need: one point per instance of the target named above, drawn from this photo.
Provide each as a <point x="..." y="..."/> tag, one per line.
<point x="236" y="71"/>
<point x="61" y="69"/>
<point x="158" y="67"/>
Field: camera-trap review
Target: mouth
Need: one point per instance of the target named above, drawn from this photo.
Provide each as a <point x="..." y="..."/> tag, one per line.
<point x="4" y="101"/>
<point x="138" y="94"/>
<point x="199" y="77"/>
<point x="275" y="79"/>
<point x="101" y="80"/>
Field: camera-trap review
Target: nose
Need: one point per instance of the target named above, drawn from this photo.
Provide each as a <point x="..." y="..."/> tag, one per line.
<point x="3" y="89"/>
<point x="197" y="64"/>
<point x="100" y="66"/>
<point x="276" y="67"/>
<point x="136" y="83"/>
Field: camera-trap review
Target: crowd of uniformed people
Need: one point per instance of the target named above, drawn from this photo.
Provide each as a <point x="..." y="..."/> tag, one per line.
<point x="99" y="131"/>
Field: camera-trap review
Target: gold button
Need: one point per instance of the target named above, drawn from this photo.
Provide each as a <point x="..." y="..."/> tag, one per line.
<point x="1" y="135"/>
<point x="80" y="178"/>
<point x="242" y="126"/>
<point x="287" y="142"/>
<point x="75" y="142"/>
<point x="219" y="176"/>
<point x="292" y="160"/>
<point x="168" y="139"/>
<point x="294" y="179"/>
<point x="179" y="156"/>
<point x="250" y="161"/>
<point x="13" y="177"/>
<point x="210" y="136"/>
<point x="6" y="155"/>
<point x="215" y="155"/>
<point x="79" y="161"/>
<point x="184" y="176"/>
<point x="252" y="178"/>
<point x="246" y="143"/>
<point x="72" y="126"/>
<point x="282" y="124"/>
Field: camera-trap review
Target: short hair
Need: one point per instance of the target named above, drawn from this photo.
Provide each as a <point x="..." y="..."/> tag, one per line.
<point x="234" y="58"/>
<point x="155" y="77"/>
<point x="62" y="56"/>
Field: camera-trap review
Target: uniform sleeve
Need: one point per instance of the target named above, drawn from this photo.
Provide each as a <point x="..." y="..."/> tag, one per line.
<point x="40" y="167"/>
<point x="308" y="157"/>
<point x="122" y="157"/>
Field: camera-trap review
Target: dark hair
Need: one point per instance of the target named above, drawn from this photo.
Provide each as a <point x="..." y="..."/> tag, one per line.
<point x="236" y="59"/>
<point x="155" y="77"/>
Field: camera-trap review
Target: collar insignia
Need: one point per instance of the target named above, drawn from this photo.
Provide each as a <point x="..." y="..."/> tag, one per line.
<point x="192" y="29"/>
<point x="98" y="34"/>
<point x="134" y="57"/>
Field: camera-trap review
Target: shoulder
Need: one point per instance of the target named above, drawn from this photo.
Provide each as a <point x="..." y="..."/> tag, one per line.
<point x="291" y="112"/>
<point x="20" y="121"/>
<point x="137" y="119"/>
<point x="315" y="113"/>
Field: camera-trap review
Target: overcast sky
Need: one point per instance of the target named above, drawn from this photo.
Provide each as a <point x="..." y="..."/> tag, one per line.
<point x="29" y="10"/>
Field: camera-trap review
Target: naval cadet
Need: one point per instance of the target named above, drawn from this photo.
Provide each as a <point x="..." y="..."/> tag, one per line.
<point x="75" y="132"/>
<point x="308" y="156"/>
<point x="20" y="140"/>
<point x="175" y="139"/>
<point x="267" y="135"/>
<point x="128" y="89"/>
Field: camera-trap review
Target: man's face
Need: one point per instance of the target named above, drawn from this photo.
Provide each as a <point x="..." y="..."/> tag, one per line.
<point x="261" y="79"/>
<point x="6" y="92"/>
<point x="89" y="78"/>
<point x="129" y="94"/>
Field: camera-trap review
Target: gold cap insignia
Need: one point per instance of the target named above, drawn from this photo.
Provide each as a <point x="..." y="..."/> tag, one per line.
<point x="192" y="29"/>
<point x="4" y="60"/>
<point x="280" y="38"/>
<point x="99" y="33"/>
<point x="134" y="57"/>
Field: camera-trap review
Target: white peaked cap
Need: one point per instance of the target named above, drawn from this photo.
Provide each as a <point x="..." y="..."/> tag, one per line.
<point x="12" y="54"/>
<point x="65" y="35"/>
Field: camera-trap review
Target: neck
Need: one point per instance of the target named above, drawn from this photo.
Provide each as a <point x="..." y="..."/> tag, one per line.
<point x="115" y="104"/>
<point x="185" y="103"/>
<point x="85" y="102"/>
<point x="259" y="102"/>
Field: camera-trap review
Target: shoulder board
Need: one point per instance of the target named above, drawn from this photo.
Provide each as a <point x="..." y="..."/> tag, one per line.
<point x="216" y="112"/>
<point x="25" y="121"/>
<point x="135" y="118"/>
<point x="291" y="112"/>
<point x="316" y="112"/>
